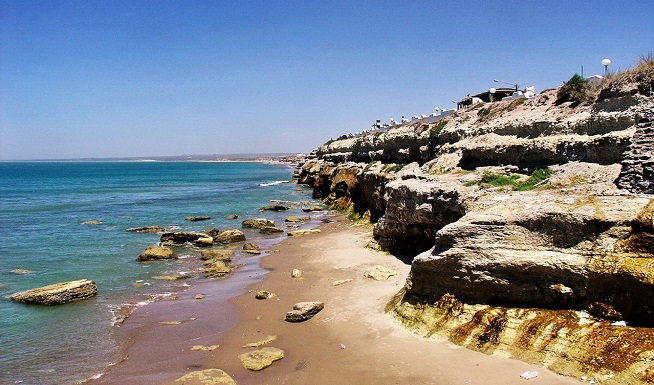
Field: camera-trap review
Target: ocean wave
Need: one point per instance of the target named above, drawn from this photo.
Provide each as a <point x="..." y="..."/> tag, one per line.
<point x="122" y="312"/>
<point x="273" y="183"/>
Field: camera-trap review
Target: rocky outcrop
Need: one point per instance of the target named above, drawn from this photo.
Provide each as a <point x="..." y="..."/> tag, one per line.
<point x="58" y="293"/>
<point x="637" y="174"/>
<point x="230" y="236"/>
<point x="529" y="225"/>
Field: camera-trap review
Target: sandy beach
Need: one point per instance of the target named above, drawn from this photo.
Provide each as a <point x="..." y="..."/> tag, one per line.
<point x="351" y="341"/>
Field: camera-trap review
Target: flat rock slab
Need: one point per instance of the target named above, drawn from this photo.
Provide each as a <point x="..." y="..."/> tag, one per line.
<point x="58" y="293"/>
<point x="304" y="311"/>
<point x="146" y="229"/>
<point x="198" y="218"/>
<point x="379" y="273"/>
<point x="261" y="358"/>
<point x="300" y="233"/>
<point x="205" y="377"/>
<point x="257" y="223"/>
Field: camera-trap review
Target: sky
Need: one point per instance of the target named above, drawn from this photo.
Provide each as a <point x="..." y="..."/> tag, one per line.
<point x="147" y="78"/>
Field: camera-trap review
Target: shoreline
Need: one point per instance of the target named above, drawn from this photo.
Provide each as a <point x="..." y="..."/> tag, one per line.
<point x="351" y="341"/>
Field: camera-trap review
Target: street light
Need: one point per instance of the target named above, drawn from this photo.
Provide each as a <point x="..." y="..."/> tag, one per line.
<point x="605" y="63"/>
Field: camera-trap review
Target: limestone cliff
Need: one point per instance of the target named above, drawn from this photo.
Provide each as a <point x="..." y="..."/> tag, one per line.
<point x="530" y="224"/>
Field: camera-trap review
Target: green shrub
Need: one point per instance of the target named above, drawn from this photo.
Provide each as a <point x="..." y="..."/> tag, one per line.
<point x="536" y="177"/>
<point x="483" y="112"/>
<point x="574" y="90"/>
<point x="434" y="132"/>
<point x="394" y="167"/>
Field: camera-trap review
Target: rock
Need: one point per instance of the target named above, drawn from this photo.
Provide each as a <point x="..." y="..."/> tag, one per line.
<point x="21" y="271"/>
<point x="181" y="238"/>
<point x="231" y="217"/>
<point x="270" y="230"/>
<point x="155" y="253"/>
<point x="212" y="232"/>
<point x="58" y="293"/>
<point x="342" y="281"/>
<point x="197" y="218"/>
<point x="263" y="294"/>
<point x="204" y="242"/>
<point x="173" y="277"/>
<point x="92" y="223"/>
<point x="292" y="219"/>
<point x="261" y="358"/>
<point x="300" y="233"/>
<point x="296" y="273"/>
<point x="304" y="311"/>
<point x="204" y="348"/>
<point x="215" y="269"/>
<point x="273" y="208"/>
<point x="261" y="343"/>
<point x="379" y="273"/>
<point x="217" y="254"/>
<point x="205" y="377"/>
<point x="257" y="223"/>
<point x="528" y="375"/>
<point x="313" y="208"/>
<point x="230" y="236"/>
<point x="251" y="248"/>
<point x="147" y="229"/>
<point x="199" y="296"/>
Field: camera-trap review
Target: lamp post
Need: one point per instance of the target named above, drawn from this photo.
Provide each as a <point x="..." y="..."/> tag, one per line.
<point x="605" y="63"/>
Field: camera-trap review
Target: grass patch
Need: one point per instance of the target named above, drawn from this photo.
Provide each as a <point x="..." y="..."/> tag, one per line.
<point x="489" y="179"/>
<point x="535" y="179"/>
<point x="394" y="167"/>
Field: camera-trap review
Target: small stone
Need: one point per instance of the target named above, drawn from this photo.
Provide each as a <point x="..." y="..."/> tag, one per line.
<point x="205" y="377"/>
<point x="204" y="348"/>
<point x="296" y="273"/>
<point x="304" y="311"/>
<point x="342" y="281"/>
<point x="261" y="343"/>
<point x="528" y="375"/>
<point x="251" y="248"/>
<point x="199" y="296"/>
<point x="379" y="273"/>
<point x="170" y="322"/>
<point x="261" y="359"/>
<point x="263" y="294"/>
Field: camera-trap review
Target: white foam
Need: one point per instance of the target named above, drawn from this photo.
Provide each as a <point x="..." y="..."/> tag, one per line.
<point x="277" y="182"/>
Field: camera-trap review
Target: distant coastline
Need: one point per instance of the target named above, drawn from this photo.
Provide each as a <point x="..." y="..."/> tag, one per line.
<point x="271" y="158"/>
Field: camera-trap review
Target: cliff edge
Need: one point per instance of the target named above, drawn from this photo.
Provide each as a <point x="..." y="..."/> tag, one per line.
<point x="529" y="224"/>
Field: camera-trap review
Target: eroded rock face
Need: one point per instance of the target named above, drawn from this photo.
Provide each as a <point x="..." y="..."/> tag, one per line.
<point x="58" y="293"/>
<point x="548" y="251"/>
<point x="637" y="174"/>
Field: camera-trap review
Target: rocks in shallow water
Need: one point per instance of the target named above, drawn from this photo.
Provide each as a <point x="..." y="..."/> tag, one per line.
<point x="197" y="218"/>
<point x="257" y="223"/>
<point x="304" y="311"/>
<point x="205" y="377"/>
<point x="215" y="269"/>
<point x="313" y="208"/>
<point x="231" y="217"/>
<point x="155" y="253"/>
<point x="204" y="242"/>
<point x="251" y="248"/>
<point x="379" y="273"/>
<point x="146" y="229"/>
<point x="212" y="232"/>
<point x="230" y="236"/>
<point x="274" y="208"/>
<point x="292" y="219"/>
<point x="180" y="238"/>
<point x="299" y="233"/>
<point x="261" y="358"/>
<point x="263" y="294"/>
<point x="58" y="293"/>
<point x="92" y="223"/>
<point x="270" y="230"/>
<point x="21" y="271"/>
<point x="217" y="254"/>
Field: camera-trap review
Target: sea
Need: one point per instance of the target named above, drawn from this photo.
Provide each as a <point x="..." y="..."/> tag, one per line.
<point x="63" y="221"/>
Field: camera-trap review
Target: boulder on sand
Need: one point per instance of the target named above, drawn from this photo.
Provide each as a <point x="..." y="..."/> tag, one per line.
<point x="261" y="359"/>
<point x="58" y="293"/>
<point x="303" y="311"/>
<point x="205" y="377"/>
<point x="155" y="253"/>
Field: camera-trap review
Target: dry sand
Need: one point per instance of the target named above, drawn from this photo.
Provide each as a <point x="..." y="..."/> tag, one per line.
<point x="351" y="341"/>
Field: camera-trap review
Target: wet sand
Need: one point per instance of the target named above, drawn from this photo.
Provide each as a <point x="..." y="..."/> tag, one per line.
<point x="351" y="341"/>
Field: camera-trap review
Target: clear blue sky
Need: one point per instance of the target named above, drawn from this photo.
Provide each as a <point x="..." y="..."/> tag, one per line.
<point x="145" y="78"/>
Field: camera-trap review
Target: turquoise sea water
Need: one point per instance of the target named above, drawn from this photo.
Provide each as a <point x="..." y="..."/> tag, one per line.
<point x="42" y="210"/>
